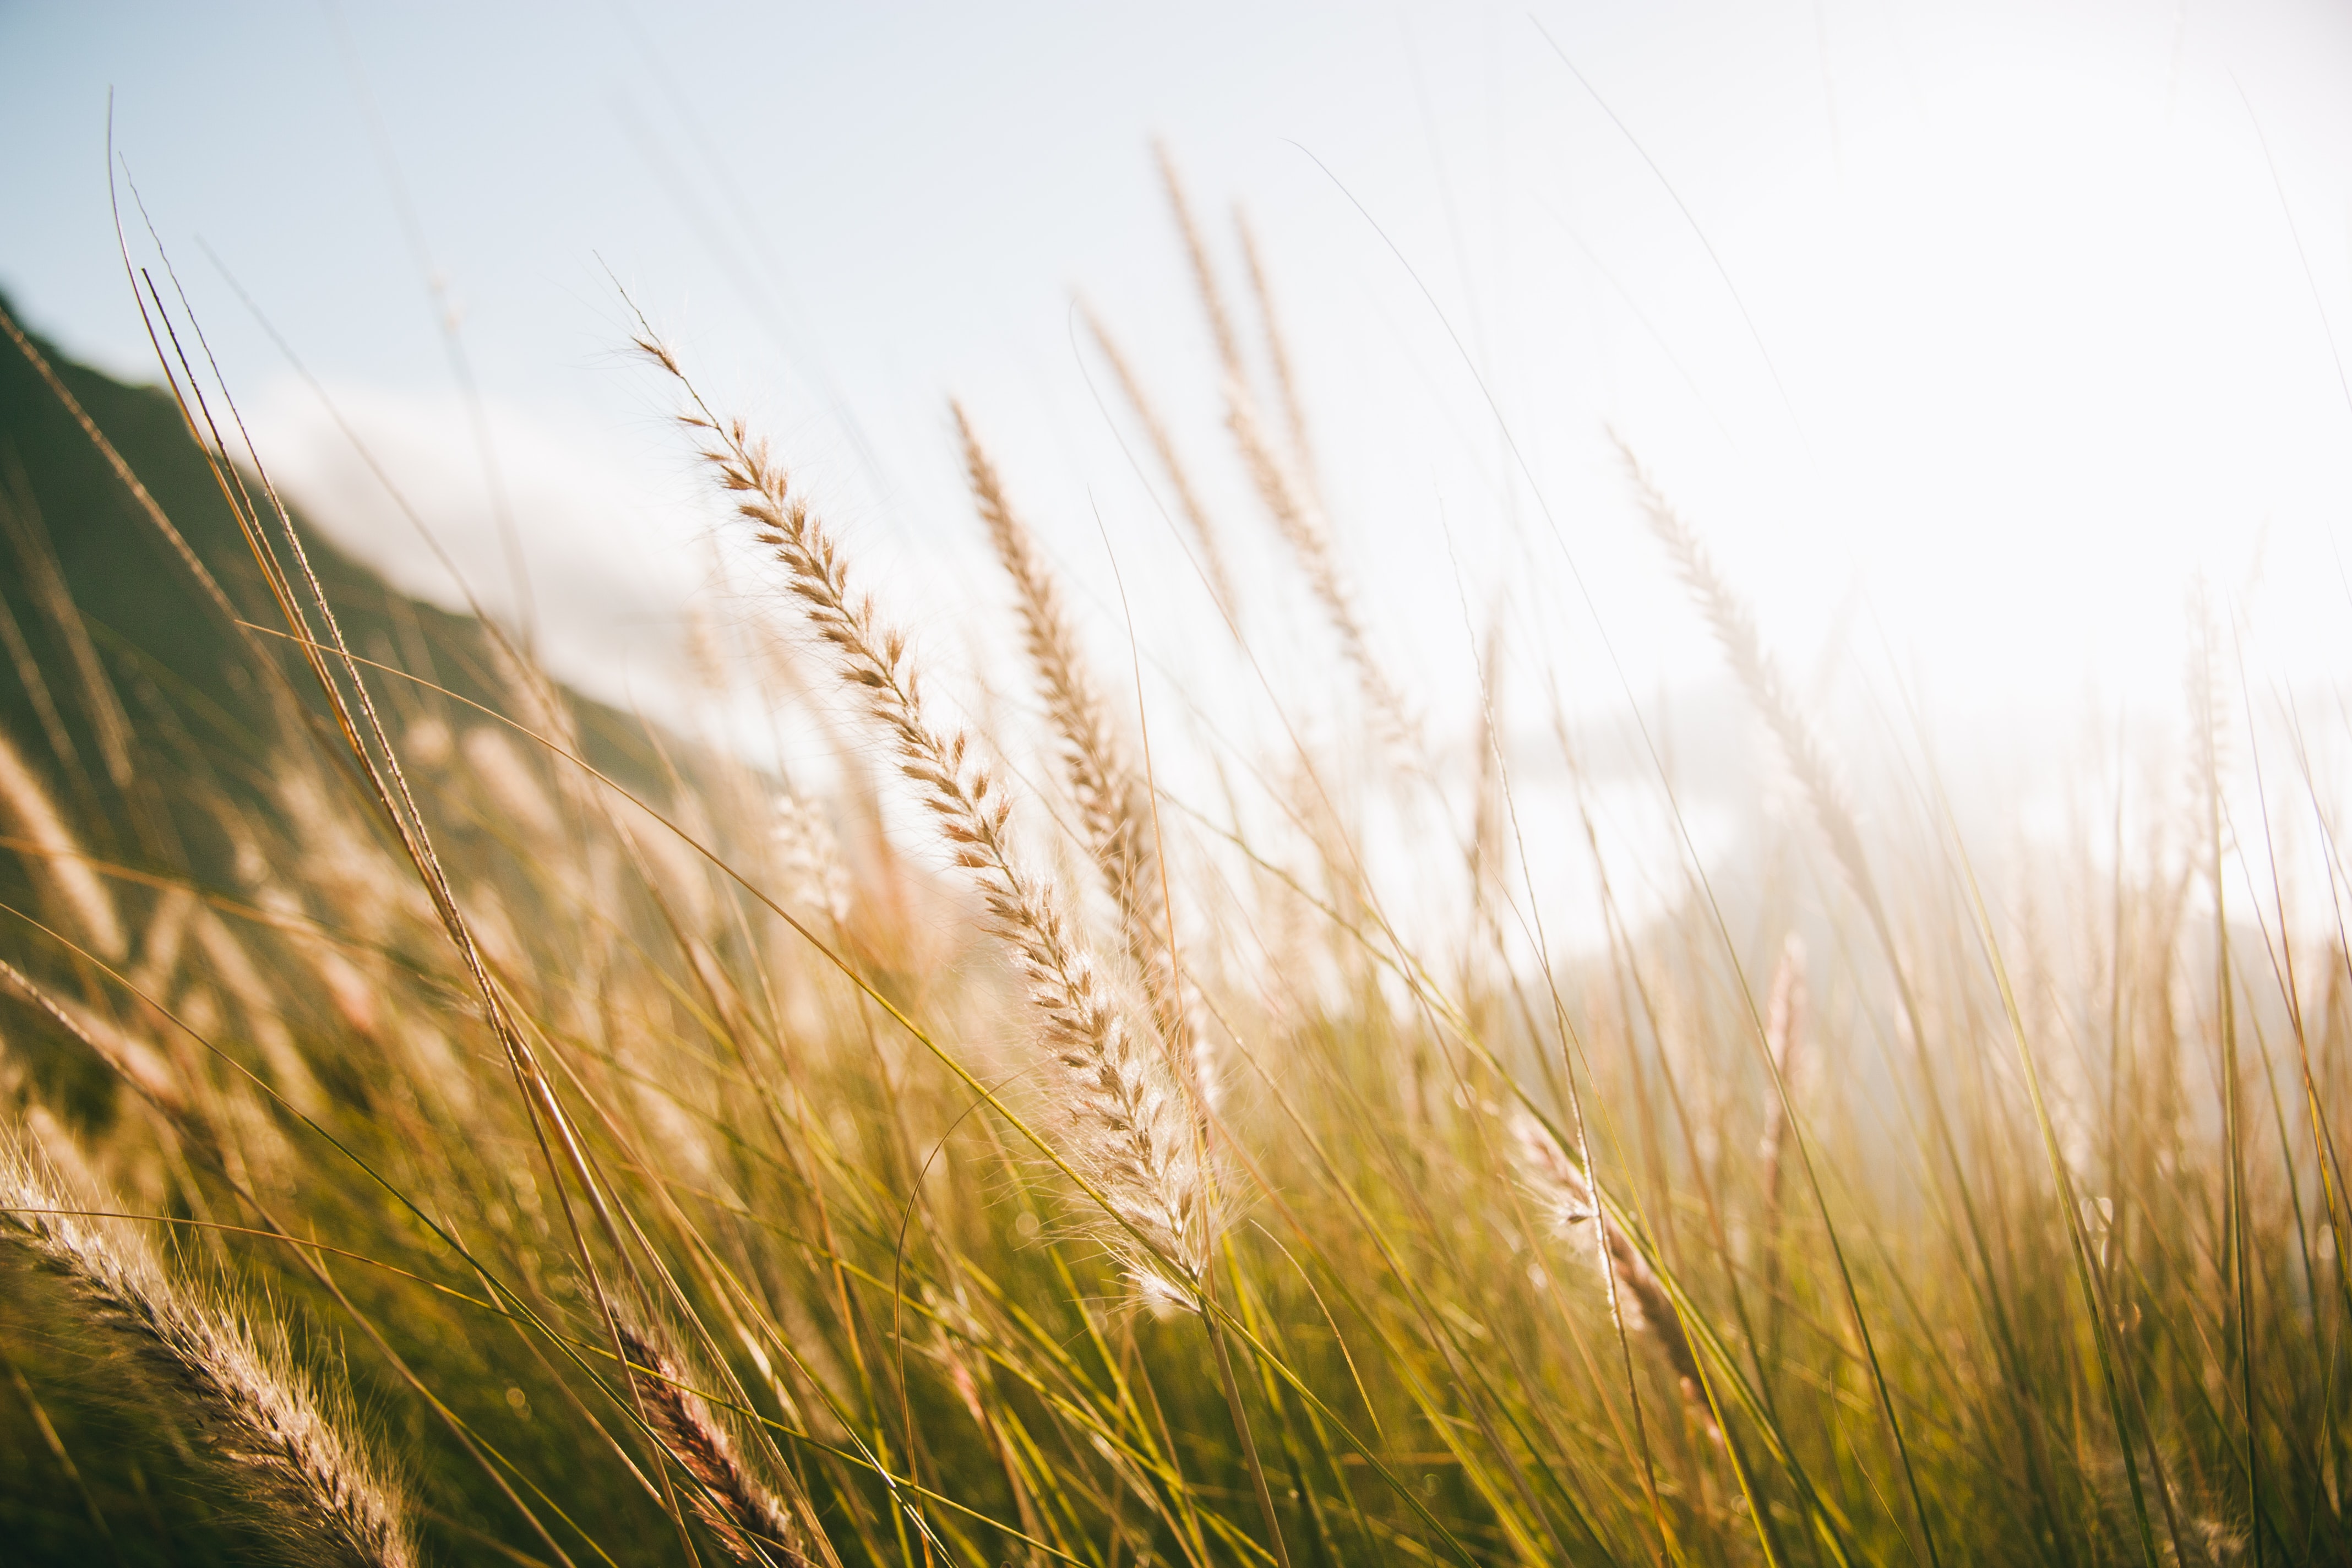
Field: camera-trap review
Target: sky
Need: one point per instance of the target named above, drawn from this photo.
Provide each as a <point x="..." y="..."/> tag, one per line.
<point x="1972" y="339"/>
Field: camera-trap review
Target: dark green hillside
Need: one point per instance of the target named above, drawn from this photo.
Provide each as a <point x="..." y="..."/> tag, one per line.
<point x="122" y="684"/>
<point x="145" y="732"/>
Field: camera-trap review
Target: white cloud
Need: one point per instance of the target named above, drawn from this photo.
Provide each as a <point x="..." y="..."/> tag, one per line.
<point x="611" y="550"/>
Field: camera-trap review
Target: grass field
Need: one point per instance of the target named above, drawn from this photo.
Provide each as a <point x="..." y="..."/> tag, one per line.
<point x="430" y="1140"/>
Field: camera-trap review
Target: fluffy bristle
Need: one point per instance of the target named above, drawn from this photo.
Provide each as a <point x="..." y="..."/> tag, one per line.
<point x="1128" y="1131"/>
<point x="317" y="1493"/>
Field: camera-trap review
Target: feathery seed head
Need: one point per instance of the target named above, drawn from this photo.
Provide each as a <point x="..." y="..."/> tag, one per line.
<point x="1127" y="1137"/>
<point x="1636" y="1294"/>
<point x="283" y="1445"/>
<point x="1550" y="1175"/>
<point x="756" y="1527"/>
<point x="654" y="349"/>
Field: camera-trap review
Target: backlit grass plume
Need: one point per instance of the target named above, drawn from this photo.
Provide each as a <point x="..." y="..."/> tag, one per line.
<point x="1280" y="480"/>
<point x="1633" y="1289"/>
<point x="754" y="1525"/>
<point x="316" y="1494"/>
<point x="1123" y="1111"/>
<point x="1115" y="808"/>
<point x="1205" y="535"/>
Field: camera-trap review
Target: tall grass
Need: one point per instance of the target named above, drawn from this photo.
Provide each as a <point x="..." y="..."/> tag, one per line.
<point x="912" y="1174"/>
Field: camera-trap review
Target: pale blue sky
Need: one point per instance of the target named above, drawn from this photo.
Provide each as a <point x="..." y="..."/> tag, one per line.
<point x="1998" y="311"/>
<point x="904" y="164"/>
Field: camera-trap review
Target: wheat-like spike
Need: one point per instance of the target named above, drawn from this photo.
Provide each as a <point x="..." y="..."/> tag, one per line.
<point x="287" y="1447"/>
<point x="1277" y="350"/>
<point x="1639" y="1298"/>
<point x="1735" y="628"/>
<point x="812" y="858"/>
<point x="1131" y="1132"/>
<point x="751" y="1523"/>
<point x="1299" y="519"/>
<point x="1188" y="500"/>
<point x="58" y="860"/>
<point x="1204" y="274"/>
<point x="1488" y="804"/>
<point x="1297" y="516"/>
<point x="1114" y="800"/>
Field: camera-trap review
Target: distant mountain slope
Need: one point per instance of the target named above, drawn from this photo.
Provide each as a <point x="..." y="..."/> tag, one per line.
<point x="121" y="683"/>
